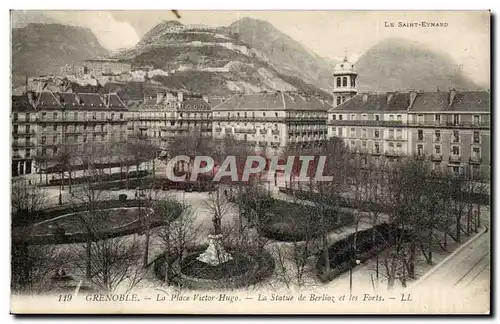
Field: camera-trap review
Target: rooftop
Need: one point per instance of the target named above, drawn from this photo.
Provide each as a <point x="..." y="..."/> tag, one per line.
<point x="273" y="101"/>
<point x="460" y="101"/>
<point x="56" y="101"/>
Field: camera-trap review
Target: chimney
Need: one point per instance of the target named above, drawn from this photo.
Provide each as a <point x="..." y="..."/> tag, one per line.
<point x="170" y="97"/>
<point x="453" y="93"/>
<point x="78" y="99"/>
<point x="413" y="96"/>
<point x="205" y="98"/>
<point x="159" y="97"/>
<point x="31" y="98"/>
<point x="58" y="97"/>
<point x="180" y="96"/>
<point x="365" y="98"/>
<point x="389" y="97"/>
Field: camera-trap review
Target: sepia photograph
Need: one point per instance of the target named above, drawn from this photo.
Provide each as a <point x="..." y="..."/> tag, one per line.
<point x="250" y="162"/>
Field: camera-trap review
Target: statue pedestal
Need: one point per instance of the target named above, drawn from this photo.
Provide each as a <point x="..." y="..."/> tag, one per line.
<point x="215" y="253"/>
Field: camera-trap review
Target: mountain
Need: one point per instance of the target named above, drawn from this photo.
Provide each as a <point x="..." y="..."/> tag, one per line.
<point x="400" y="64"/>
<point x="216" y="60"/>
<point x="22" y="18"/>
<point x="287" y="55"/>
<point x="41" y="49"/>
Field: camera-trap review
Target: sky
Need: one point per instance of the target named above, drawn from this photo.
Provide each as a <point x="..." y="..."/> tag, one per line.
<point x="331" y="34"/>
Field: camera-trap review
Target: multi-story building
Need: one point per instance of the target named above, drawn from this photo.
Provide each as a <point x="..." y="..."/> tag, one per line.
<point x="451" y="128"/>
<point x="74" y="70"/>
<point x="272" y="121"/>
<point x="43" y="122"/>
<point x="108" y="66"/>
<point x="169" y="115"/>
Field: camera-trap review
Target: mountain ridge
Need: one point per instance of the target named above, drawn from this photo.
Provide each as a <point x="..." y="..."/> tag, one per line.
<point x="402" y="64"/>
<point x="41" y="49"/>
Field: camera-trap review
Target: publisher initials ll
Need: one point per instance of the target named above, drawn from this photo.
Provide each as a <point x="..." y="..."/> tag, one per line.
<point x="406" y="298"/>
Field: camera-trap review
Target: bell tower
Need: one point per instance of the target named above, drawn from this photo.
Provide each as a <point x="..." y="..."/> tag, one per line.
<point x="344" y="87"/>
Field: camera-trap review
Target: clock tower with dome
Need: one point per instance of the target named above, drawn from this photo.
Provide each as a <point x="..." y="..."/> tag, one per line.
<point x="344" y="82"/>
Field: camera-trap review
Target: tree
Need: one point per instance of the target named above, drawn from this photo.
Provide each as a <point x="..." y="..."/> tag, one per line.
<point x="114" y="264"/>
<point x="403" y="193"/>
<point x="256" y="203"/>
<point x="89" y="194"/>
<point x="31" y="265"/>
<point x="120" y="151"/>
<point x="26" y="201"/>
<point x="293" y="261"/>
<point x="178" y="234"/>
<point x="141" y="149"/>
<point x="229" y="146"/>
<point x="218" y="206"/>
<point x="376" y="185"/>
<point x="66" y="159"/>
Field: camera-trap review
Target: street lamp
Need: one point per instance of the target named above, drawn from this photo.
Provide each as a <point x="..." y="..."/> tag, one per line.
<point x="357" y="261"/>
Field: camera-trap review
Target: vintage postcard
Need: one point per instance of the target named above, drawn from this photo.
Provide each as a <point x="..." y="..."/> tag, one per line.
<point x="250" y="162"/>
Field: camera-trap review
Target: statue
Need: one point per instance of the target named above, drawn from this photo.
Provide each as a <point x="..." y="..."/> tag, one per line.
<point x="217" y="225"/>
<point x="215" y="253"/>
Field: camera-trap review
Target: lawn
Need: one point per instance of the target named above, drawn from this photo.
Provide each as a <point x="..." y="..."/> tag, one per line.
<point x="287" y="221"/>
<point x="104" y="220"/>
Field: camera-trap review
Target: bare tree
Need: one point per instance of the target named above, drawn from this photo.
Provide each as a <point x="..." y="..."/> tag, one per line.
<point x="66" y="160"/>
<point x="229" y="146"/>
<point x="293" y="261"/>
<point x="178" y="234"/>
<point x="219" y="206"/>
<point x="89" y="194"/>
<point x="31" y="265"/>
<point x="141" y="149"/>
<point x="114" y="264"/>
<point x="26" y="201"/>
<point x="256" y="203"/>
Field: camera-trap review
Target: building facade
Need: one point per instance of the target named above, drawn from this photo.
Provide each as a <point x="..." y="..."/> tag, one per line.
<point x="451" y="128"/>
<point x="43" y="122"/>
<point x="272" y="121"/>
<point x="104" y="67"/>
<point x="169" y="115"/>
<point x="74" y="70"/>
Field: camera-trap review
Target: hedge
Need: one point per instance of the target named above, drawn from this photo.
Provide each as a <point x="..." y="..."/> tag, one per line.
<point x="263" y="269"/>
<point x="342" y="255"/>
<point x="102" y="178"/>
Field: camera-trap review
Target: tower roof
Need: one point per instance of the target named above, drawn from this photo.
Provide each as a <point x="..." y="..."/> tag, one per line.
<point x="344" y="67"/>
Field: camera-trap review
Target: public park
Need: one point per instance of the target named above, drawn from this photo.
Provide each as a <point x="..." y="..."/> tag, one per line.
<point x="107" y="229"/>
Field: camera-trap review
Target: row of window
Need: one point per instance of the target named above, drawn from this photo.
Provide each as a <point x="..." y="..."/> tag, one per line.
<point x="454" y="151"/>
<point x="164" y="116"/>
<point x="173" y="123"/>
<point x="455" y="119"/>
<point x="343" y="81"/>
<point x="476" y="138"/>
<point x="27" y="153"/>
<point x="71" y="115"/>
<point x="376" y="117"/>
<point x="270" y="114"/>
<point x="245" y="124"/>
<point x="455" y="138"/>
<point x="364" y="133"/>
